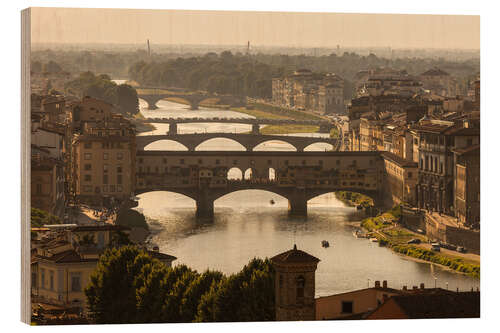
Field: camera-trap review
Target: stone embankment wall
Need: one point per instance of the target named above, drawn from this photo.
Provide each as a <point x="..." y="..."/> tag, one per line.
<point x="470" y="239"/>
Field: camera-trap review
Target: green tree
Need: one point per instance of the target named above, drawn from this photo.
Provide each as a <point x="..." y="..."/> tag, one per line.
<point x="111" y="293"/>
<point x="131" y="218"/>
<point x="40" y="217"/>
<point x="126" y="100"/>
<point x="194" y="292"/>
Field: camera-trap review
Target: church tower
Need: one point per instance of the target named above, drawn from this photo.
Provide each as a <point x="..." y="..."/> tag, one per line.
<point x="295" y="285"/>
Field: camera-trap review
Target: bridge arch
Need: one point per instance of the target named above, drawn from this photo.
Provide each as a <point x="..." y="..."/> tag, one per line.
<point x="319" y="146"/>
<point x="287" y="146"/>
<point x="272" y="174"/>
<point x="234" y="173"/>
<point x="249" y="174"/>
<point x="178" y="199"/>
<point x="166" y="144"/>
<point x="228" y="144"/>
<point x="274" y="195"/>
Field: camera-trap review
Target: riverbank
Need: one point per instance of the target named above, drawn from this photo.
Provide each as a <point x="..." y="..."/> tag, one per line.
<point x="395" y="237"/>
<point x="354" y="199"/>
<point x="141" y="127"/>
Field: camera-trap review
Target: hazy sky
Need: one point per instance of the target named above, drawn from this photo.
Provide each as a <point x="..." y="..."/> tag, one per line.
<point x="71" y="25"/>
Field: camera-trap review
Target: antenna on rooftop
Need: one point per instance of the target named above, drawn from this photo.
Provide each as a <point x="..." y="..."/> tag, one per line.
<point x="149" y="49"/>
<point x="248" y="47"/>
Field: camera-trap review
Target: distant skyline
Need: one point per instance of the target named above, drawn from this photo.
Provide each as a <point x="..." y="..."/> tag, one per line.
<point x="265" y="29"/>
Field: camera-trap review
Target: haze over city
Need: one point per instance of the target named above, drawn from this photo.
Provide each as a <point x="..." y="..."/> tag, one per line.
<point x="130" y="26"/>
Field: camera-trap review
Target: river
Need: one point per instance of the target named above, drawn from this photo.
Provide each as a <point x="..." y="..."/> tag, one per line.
<point x="247" y="225"/>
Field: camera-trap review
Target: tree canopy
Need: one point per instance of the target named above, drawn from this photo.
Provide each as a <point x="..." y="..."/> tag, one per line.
<point x="129" y="286"/>
<point x="123" y="96"/>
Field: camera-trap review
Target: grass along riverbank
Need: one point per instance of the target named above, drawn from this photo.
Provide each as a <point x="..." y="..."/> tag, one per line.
<point x="389" y="234"/>
<point x="354" y="198"/>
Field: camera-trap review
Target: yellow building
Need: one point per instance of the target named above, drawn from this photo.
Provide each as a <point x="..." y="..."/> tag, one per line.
<point x="353" y="303"/>
<point x="63" y="260"/>
<point x="402" y="176"/>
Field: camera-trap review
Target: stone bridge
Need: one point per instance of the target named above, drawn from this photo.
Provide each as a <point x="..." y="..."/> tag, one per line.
<point x="204" y="176"/>
<point x="325" y="126"/>
<point x="249" y="141"/>
<point x="153" y="95"/>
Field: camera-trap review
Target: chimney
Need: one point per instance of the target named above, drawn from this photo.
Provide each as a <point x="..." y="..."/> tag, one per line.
<point x="422" y="286"/>
<point x="405" y="288"/>
<point x="377" y="284"/>
<point x="384" y="283"/>
<point x="415" y="288"/>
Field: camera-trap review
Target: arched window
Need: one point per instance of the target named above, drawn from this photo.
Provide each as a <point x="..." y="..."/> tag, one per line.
<point x="301" y="282"/>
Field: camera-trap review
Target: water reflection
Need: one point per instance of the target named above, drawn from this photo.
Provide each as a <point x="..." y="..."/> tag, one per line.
<point x="247" y="225"/>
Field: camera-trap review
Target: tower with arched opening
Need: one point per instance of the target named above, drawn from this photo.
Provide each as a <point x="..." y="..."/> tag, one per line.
<point x="295" y="285"/>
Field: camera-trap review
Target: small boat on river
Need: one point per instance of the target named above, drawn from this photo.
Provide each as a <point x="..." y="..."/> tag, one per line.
<point x="272" y="202"/>
<point x="325" y="243"/>
<point x="374" y="239"/>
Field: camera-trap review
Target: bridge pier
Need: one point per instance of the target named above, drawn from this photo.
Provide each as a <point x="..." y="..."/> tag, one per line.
<point x="205" y="209"/>
<point x="172" y="128"/>
<point x="297" y="204"/>
<point x="255" y="129"/>
<point x="194" y="105"/>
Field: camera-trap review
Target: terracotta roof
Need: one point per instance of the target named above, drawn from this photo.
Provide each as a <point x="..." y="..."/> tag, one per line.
<point x="69" y="256"/>
<point x="399" y="160"/>
<point x="466" y="150"/>
<point x="434" y="72"/>
<point x="448" y="305"/>
<point x="294" y="256"/>
<point x="161" y="256"/>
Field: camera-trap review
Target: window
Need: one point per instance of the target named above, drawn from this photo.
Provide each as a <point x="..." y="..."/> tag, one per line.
<point x="164" y="161"/>
<point x="105" y="188"/>
<point x="105" y="156"/>
<point x="87" y="178"/>
<point x="76" y="284"/>
<point x="441" y="167"/>
<point x="42" y="279"/>
<point x="87" y="167"/>
<point x="38" y="188"/>
<point x="469" y="142"/>
<point x="105" y="168"/>
<point x="119" y="156"/>
<point x="105" y="179"/>
<point x="347" y="306"/>
<point x="51" y="280"/>
<point x="410" y="174"/>
<point x="235" y="162"/>
<point x="119" y="179"/>
<point x="87" y="156"/>
<point x="87" y="145"/>
<point x="119" y="168"/>
<point x="301" y="282"/>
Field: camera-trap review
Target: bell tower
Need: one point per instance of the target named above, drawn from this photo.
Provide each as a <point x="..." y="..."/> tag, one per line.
<point x="295" y="285"/>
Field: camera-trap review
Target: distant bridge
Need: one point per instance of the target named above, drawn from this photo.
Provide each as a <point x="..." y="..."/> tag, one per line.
<point x="153" y="94"/>
<point x="249" y="141"/>
<point x="297" y="176"/>
<point x="325" y="126"/>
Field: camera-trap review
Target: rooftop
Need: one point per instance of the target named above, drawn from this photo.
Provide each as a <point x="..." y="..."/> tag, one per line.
<point x="294" y="256"/>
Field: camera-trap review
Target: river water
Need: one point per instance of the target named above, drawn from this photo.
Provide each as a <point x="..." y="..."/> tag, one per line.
<point x="247" y="225"/>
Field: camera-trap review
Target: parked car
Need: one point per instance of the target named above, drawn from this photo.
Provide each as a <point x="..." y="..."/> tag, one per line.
<point x="436" y="247"/>
<point x="414" y="241"/>
<point x="461" y="249"/>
